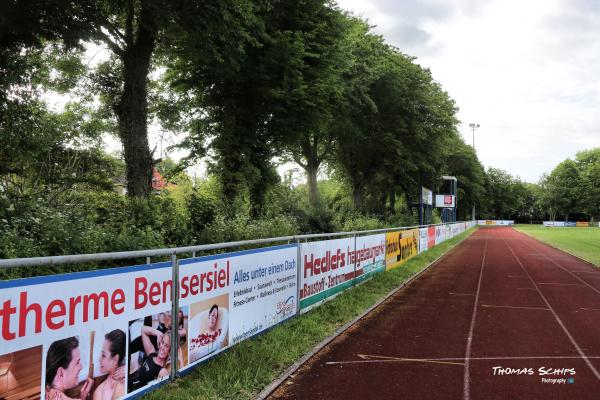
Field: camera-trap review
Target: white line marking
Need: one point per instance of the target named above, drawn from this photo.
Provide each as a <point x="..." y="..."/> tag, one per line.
<point x="520" y="308"/>
<point x="570" y="273"/>
<point x="525" y="288"/>
<point x="560" y="284"/>
<point x="588" y="309"/>
<point x="462" y="294"/>
<point x="446" y="359"/>
<point x="585" y="272"/>
<point x="581" y="353"/>
<point x="517" y="276"/>
<point x="466" y="376"/>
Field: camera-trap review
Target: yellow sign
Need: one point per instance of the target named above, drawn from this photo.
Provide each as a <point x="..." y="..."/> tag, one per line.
<point x="579" y="223"/>
<point x="399" y="247"/>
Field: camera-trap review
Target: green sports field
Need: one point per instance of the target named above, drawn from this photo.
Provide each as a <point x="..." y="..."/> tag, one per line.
<point x="582" y="242"/>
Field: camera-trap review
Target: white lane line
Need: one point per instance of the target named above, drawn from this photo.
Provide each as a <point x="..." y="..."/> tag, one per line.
<point x="560" y="284"/>
<point x="466" y="376"/>
<point x="562" y="325"/>
<point x="588" y="309"/>
<point x="569" y="272"/>
<point x="448" y="360"/>
<point x="515" y="307"/>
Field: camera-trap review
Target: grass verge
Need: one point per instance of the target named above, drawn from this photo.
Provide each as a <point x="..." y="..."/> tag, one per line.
<point x="581" y="242"/>
<point x="249" y="366"/>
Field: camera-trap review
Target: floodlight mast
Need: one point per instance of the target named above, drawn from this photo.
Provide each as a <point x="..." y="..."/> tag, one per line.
<point x="473" y="127"/>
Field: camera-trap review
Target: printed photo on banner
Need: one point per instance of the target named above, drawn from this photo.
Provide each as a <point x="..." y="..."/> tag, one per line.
<point x="90" y="366"/>
<point x="208" y="327"/>
<point x="149" y="351"/>
<point x="21" y="374"/>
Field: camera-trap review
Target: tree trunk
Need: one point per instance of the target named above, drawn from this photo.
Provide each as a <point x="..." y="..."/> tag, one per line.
<point x="392" y="195"/>
<point x="357" y="197"/>
<point x="132" y="108"/>
<point x="310" y="153"/>
<point x="312" y="170"/>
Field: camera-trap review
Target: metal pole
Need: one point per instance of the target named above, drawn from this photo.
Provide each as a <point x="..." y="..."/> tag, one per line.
<point x="298" y="277"/>
<point x="355" y="262"/>
<point x="174" y="315"/>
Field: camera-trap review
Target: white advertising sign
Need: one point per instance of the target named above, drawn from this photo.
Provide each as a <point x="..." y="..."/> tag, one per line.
<point x="426" y="196"/>
<point x="370" y="256"/>
<point x="246" y="292"/>
<point x="444" y="200"/>
<point x="422" y="239"/>
<point x="440" y="234"/>
<point x="73" y="316"/>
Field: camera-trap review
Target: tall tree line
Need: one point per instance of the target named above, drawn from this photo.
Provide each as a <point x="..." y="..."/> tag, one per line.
<point x="244" y="82"/>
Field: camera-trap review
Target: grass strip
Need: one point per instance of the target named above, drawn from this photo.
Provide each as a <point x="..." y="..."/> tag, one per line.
<point x="581" y="241"/>
<point x="251" y="365"/>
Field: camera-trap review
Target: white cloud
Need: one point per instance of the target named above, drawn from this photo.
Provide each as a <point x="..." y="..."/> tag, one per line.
<point x="525" y="70"/>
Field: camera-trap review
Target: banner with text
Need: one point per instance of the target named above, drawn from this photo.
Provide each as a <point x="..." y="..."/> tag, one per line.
<point x="370" y="256"/>
<point x="57" y="332"/>
<point x="327" y="268"/>
<point x="400" y="246"/>
<point x="423" y="240"/>
<point x="233" y="296"/>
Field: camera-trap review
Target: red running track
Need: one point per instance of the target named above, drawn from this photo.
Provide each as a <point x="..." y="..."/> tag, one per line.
<point x="502" y="316"/>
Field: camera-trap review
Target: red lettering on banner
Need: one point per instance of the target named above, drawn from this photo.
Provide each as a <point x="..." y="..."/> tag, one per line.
<point x="154" y="293"/>
<point x="140" y="292"/>
<point x="5" y="313"/>
<point x="95" y="299"/>
<point x="194" y="283"/>
<point x="24" y="309"/>
<point x="72" y="307"/>
<point x="51" y="314"/>
<point x="117" y="299"/>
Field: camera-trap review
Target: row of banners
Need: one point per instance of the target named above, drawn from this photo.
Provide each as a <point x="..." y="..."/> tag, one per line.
<point x="496" y="222"/>
<point x="109" y="333"/>
<point x="580" y="224"/>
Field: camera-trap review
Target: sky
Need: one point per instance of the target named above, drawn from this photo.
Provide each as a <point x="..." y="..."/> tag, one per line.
<point x="527" y="71"/>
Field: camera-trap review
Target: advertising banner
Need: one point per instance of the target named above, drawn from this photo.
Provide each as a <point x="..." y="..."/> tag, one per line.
<point x="56" y="331"/>
<point x="423" y="240"/>
<point x="326" y="269"/>
<point x="68" y="336"/>
<point x="430" y="237"/>
<point x="454" y="230"/>
<point x="496" y="222"/>
<point x="444" y="200"/>
<point x="440" y="234"/>
<point x="233" y="296"/>
<point x="370" y="256"/>
<point x="400" y="246"/>
<point x="582" y="224"/>
<point x="426" y="196"/>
